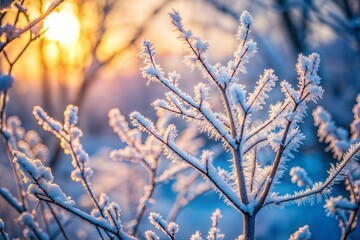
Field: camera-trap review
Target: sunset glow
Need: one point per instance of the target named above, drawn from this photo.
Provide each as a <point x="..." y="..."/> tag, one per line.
<point x="62" y="27"/>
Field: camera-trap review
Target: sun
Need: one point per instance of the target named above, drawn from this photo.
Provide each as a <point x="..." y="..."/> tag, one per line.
<point x="62" y="27"/>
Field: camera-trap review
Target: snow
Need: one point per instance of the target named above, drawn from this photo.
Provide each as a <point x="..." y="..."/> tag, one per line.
<point x="40" y="179"/>
<point x="33" y="230"/>
<point x="201" y="93"/>
<point x="173" y="228"/>
<point x="238" y="96"/>
<point x="215" y="234"/>
<point x="300" y="177"/>
<point x="176" y="20"/>
<point x="201" y="46"/>
<point x="302" y="234"/>
<point x="339" y="203"/>
<point x="264" y="85"/>
<point x="150" y="235"/>
<point x="157" y="220"/>
<point x="330" y="133"/>
<point x="174" y="78"/>
<point x="48" y="123"/>
<point x="175" y="152"/>
<point x="246" y="22"/>
<point x="246" y="19"/>
<point x="196" y="236"/>
<point x="70" y="117"/>
<point x="215" y="217"/>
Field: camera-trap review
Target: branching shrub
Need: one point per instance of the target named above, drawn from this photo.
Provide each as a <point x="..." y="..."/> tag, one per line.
<point x="252" y="184"/>
<point x="248" y="186"/>
<point x="344" y="209"/>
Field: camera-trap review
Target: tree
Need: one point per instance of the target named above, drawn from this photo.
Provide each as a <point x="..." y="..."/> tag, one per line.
<point x="251" y="186"/>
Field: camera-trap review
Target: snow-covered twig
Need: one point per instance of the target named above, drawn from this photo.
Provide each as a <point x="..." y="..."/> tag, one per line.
<point x="5" y="193"/>
<point x="152" y="71"/>
<point x="322" y="187"/>
<point x="169" y="229"/>
<point x="3" y="234"/>
<point x="213" y="177"/>
<point x="251" y="184"/>
<point x="31" y="24"/>
<point x="69" y="135"/>
<point x="302" y="233"/>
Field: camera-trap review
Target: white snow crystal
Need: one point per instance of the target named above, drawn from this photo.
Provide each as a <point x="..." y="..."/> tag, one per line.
<point x="302" y="234"/>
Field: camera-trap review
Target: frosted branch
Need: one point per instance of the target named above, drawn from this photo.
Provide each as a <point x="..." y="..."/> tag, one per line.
<point x="334" y="176"/>
<point x="214" y="179"/>
<point x="31" y="24"/>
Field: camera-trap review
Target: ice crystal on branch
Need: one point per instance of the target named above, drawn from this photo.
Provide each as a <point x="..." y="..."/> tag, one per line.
<point x="214" y="232"/>
<point x="48" y="123"/>
<point x="258" y="97"/>
<point x="250" y="185"/>
<point x="69" y="135"/>
<point x="246" y="22"/>
<point x="105" y="215"/>
<point x="168" y="229"/>
<point x="345" y="148"/>
<point x="336" y="137"/>
<point x="32" y="229"/>
<point x="70" y="117"/>
<point x="3" y="234"/>
<point x="40" y="180"/>
<point x="150" y="235"/>
<point x="302" y="234"/>
<point x="196" y="236"/>
<point x="300" y="177"/>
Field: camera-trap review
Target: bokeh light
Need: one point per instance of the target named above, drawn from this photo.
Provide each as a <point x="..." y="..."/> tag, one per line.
<point x="63" y="27"/>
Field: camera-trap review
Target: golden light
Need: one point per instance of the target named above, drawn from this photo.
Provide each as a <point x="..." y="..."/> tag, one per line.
<point x="62" y="27"/>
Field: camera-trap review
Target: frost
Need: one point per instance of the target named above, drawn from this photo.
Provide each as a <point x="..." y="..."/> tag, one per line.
<point x="335" y="205"/>
<point x="196" y="236"/>
<point x="281" y="130"/>
<point x="330" y="133"/>
<point x="48" y="123"/>
<point x="3" y="234"/>
<point x="215" y="217"/>
<point x="168" y="229"/>
<point x="265" y="84"/>
<point x="150" y="235"/>
<point x="214" y="232"/>
<point x="40" y="180"/>
<point x="238" y="96"/>
<point x="300" y="177"/>
<point x="32" y="230"/>
<point x="246" y="19"/>
<point x="173" y="228"/>
<point x="70" y="117"/>
<point x="246" y="22"/>
<point x="302" y="234"/>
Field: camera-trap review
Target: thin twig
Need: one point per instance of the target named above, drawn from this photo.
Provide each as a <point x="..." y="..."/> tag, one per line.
<point x="61" y="227"/>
